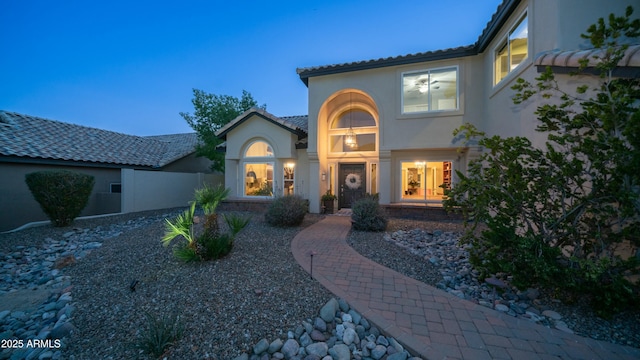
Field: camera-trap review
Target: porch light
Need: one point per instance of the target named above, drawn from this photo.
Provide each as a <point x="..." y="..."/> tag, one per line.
<point x="350" y="137"/>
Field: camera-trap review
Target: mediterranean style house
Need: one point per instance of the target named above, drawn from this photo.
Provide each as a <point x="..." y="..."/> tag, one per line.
<point x="385" y="126"/>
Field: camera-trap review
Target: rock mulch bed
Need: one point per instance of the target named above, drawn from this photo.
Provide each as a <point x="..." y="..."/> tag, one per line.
<point x="430" y="252"/>
<point x="337" y="333"/>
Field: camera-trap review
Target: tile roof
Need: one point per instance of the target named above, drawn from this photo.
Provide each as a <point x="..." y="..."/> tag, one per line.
<point x="306" y="73"/>
<point x="296" y="124"/>
<point x="301" y="121"/>
<point x="30" y="137"/>
<point x="571" y="58"/>
<point x="503" y="11"/>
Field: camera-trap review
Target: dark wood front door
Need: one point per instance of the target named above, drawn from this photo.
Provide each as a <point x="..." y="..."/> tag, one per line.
<point x="352" y="185"/>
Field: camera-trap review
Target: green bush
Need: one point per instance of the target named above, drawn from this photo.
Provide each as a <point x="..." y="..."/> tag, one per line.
<point x="212" y="247"/>
<point x="368" y="215"/>
<point x="287" y="211"/>
<point x="558" y="213"/>
<point x="61" y="194"/>
<point x="185" y="253"/>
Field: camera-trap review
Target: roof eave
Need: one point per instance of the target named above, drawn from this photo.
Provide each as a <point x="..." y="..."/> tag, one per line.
<point x="236" y="122"/>
<point x="63" y="162"/>
<point x="502" y="14"/>
<point x="463" y="51"/>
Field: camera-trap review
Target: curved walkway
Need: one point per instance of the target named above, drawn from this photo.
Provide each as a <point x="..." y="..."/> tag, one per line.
<point x="429" y="322"/>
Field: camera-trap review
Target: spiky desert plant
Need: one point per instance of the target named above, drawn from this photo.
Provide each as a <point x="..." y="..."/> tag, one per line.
<point x="236" y="222"/>
<point x="159" y="334"/>
<point x="181" y="226"/>
<point x="209" y="198"/>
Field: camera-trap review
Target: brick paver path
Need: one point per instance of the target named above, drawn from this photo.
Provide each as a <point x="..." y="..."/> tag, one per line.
<point x="429" y="322"/>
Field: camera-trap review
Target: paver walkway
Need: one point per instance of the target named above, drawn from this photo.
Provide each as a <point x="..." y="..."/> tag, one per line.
<point x="430" y="322"/>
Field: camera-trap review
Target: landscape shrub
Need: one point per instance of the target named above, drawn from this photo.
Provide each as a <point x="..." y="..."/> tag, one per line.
<point x="287" y="211"/>
<point x="208" y="243"/>
<point x="159" y="334"/>
<point x="212" y="247"/>
<point x="559" y="213"/>
<point x="368" y="215"/>
<point x="62" y="194"/>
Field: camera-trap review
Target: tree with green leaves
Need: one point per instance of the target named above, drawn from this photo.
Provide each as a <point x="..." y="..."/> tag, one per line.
<point x="561" y="214"/>
<point x="212" y="112"/>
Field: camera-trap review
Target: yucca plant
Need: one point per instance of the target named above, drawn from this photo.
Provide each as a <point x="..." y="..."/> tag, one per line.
<point x="209" y="198"/>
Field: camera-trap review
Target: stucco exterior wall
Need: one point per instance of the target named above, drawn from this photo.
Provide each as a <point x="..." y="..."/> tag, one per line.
<point x="401" y="137"/>
<point x="151" y="190"/>
<point x="282" y="142"/>
<point x="256" y="128"/>
<point x="18" y="207"/>
<point x="552" y="25"/>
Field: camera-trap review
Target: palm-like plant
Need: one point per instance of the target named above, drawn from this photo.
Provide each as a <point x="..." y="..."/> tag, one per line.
<point x="209" y="198"/>
<point x="181" y="226"/>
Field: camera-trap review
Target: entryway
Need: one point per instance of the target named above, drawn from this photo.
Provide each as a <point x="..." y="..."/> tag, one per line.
<point x="352" y="184"/>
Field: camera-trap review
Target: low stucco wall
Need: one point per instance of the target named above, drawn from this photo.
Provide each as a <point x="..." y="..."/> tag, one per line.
<point x="141" y="191"/>
<point x="151" y="190"/>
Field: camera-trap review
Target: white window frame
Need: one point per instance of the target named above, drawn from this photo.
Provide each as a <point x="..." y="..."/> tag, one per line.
<point x="425" y="198"/>
<point x="258" y="161"/>
<point x="429" y="70"/>
<point x="292" y="180"/>
<point x="505" y="42"/>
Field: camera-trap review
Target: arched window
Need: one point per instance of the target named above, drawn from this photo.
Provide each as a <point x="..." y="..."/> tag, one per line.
<point x="354" y="119"/>
<point x="259" y="149"/>
<point x="363" y="125"/>
<point x="258" y="169"/>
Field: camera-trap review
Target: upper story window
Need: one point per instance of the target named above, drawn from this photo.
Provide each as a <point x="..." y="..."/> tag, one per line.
<point x="513" y="50"/>
<point x="363" y="126"/>
<point x="430" y="90"/>
<point x="259" y="149"/>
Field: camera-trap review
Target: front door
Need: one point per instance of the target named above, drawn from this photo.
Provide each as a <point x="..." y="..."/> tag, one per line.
<point x="352" y="184"/>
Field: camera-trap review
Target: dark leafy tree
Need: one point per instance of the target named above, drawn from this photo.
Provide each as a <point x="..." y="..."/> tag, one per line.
<point x="212" y="112"/>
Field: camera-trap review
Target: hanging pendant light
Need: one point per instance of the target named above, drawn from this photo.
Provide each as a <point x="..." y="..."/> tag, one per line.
<point x="350" y="137"/>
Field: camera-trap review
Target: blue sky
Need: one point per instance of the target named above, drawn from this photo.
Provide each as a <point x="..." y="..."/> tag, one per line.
<point x="130" y="66"/>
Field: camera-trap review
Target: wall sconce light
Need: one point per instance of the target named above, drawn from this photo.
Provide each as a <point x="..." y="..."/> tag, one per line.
<point x="288" y="168"/>
<point x="324" y="176"/>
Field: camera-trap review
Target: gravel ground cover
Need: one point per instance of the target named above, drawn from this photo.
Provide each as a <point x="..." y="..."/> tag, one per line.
<point x="226" y="306"/>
